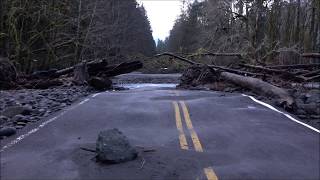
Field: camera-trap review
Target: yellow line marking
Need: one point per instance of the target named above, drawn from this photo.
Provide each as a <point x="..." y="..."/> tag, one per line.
<point x="194" y="136"/>
<point x="210" y="174"/>
<point x="182" y="137"/>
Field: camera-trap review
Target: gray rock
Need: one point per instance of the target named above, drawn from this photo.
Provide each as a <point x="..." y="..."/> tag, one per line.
<point x="311" y="108"/>
<point x="3" y="119"/>
<point x="15" y="110"/>
<point x="7" y="131"/>
<point x="19" y="117"/>
<point x="313" y="96"/>
<point x="114" y="147"/>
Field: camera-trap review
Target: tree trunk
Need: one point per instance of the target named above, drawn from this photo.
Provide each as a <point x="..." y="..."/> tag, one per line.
<point x="80" y="74"/>
<point x="260" y="87"/>
<point x="78" y="34"/>
<point x="2" y="28"/>
<point x="297" y="35"/>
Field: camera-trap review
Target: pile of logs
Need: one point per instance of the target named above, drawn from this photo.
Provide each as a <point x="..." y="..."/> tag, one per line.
<point x="268" y="81"/>
<point x="80" y="74"/>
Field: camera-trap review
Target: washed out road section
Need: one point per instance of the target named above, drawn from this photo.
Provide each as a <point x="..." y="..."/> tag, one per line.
<point x="240" y="139"/>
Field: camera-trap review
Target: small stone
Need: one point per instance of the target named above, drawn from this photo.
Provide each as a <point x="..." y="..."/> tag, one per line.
<point x="18" y="117"/>
<point x="3" y="119"/>
<point x="21" y="123"/>
<point x="7" y="131"/>
<point x="114" y="147"/>
<point x="63" y="105"/>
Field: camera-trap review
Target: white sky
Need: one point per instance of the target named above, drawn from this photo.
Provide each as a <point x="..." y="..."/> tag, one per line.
<point x="162" y="14"/>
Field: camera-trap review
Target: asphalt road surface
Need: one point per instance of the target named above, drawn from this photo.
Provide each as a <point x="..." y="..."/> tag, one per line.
<point x="183" y="135"/>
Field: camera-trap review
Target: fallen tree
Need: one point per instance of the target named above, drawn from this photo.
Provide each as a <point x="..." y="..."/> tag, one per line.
<point x="246" y="73"/>
<point x="260" y="87"/>
<point x="256" y="85"/>
<point x="94" y="68"/>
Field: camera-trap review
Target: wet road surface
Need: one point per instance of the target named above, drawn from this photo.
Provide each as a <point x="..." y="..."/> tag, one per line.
<point x="180" y="135"/>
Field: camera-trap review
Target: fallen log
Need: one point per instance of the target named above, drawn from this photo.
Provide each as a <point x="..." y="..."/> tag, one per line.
<point x="260" y="87"/>
<point x="284" y="74"/>
<point x="239" y="55"/>
<point x="313" y="78"/>
<point x="245" y="73"/>
<point x="177" y="57"/>
<point x="94" y="68"/>
<point x="122" y="68"/>
<point x="311" y="55"/>
<point x="312" y="73"/>
<point x="295" y="66"/>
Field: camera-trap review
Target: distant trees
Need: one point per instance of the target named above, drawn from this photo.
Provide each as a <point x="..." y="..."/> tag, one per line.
<point x="42" y="34"/>
<point x="255" y="27"/>
<point x="162" y="46"/>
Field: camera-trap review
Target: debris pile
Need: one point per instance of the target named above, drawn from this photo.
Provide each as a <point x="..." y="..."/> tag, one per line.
<point x="96" y="73"/>
<point x="292" y="87"/>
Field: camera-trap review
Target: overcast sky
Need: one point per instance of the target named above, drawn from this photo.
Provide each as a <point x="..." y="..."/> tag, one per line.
<point x="162" y="14"/>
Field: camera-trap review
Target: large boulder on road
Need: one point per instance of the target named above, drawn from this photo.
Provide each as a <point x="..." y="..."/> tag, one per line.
<point x="113" y="147"/>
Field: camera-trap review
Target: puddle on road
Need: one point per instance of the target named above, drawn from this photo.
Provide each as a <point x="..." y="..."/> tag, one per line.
<point x="148" y="86"/>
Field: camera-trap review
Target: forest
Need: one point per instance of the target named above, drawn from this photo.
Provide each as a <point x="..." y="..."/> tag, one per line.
<point x="40" y="35"/>
<point x="43" y="34"/>
<point x="254" y="27"/>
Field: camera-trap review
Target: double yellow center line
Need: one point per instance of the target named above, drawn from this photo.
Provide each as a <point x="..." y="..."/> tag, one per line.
<point x="194" y="137"/>
<point x="182" y="137"/>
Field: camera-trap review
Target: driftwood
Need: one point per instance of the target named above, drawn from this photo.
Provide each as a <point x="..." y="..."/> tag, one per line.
<point x="256" y="85"/>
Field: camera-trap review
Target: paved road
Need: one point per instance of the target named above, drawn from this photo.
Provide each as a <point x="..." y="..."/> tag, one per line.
<point x="194" y="135"/>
